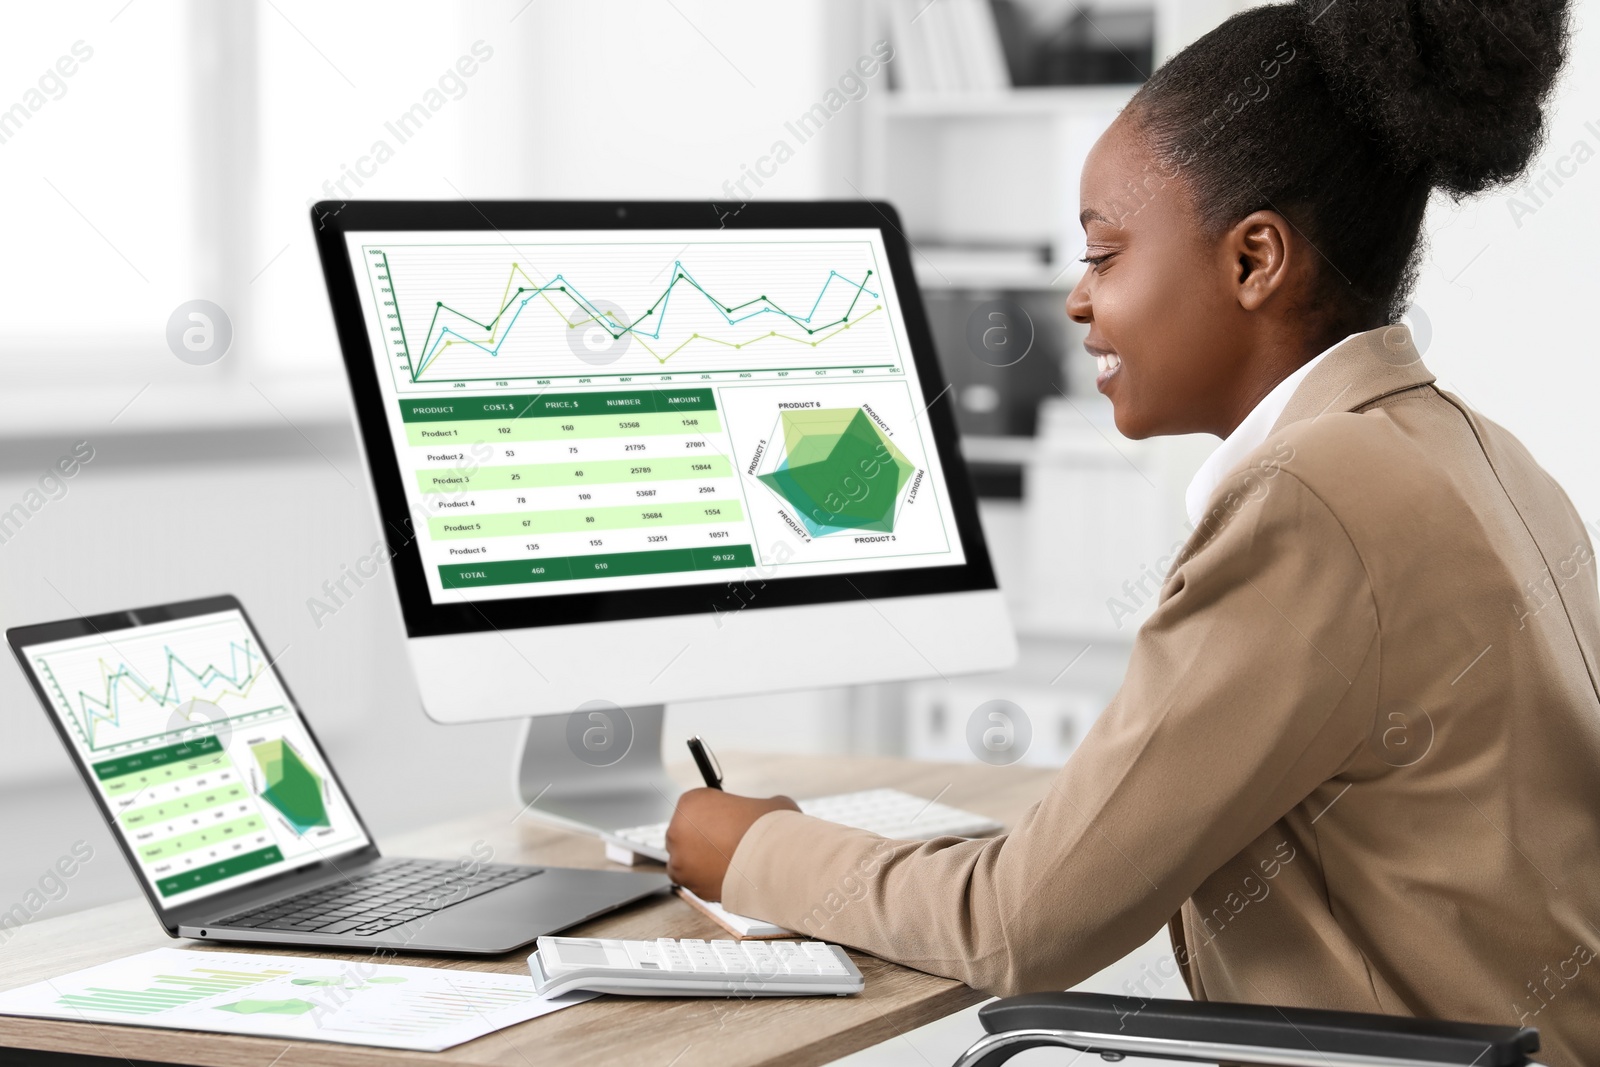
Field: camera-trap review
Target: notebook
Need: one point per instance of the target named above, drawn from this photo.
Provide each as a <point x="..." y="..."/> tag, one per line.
<point x="737" y="925"/>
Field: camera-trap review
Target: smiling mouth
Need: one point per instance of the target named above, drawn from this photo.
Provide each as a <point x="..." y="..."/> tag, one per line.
<point x="1107" y="364"/>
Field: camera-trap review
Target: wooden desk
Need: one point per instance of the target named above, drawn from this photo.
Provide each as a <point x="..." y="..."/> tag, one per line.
<point x="609" y="1030"/>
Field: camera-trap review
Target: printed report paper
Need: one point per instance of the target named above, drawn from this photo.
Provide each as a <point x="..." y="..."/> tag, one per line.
<point x="425" y="1009"/>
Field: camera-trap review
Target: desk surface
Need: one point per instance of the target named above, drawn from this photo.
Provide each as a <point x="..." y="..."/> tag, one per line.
<point x="608" y="1030"/>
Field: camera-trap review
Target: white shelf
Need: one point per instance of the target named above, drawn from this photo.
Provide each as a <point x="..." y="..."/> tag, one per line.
<point x="988" y="168"/>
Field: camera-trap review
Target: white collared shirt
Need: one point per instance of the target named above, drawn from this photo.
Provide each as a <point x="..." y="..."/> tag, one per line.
<point x="1245" y="438"/>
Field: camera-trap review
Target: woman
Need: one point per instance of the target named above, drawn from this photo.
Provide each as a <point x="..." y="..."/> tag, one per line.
<point x="1357" y="750"/>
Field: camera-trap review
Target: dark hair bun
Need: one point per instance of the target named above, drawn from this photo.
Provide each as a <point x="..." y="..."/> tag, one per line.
<point x="1454" y="88"/>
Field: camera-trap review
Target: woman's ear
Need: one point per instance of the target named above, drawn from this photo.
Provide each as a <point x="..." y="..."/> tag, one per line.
<point x="1259" y="246"/>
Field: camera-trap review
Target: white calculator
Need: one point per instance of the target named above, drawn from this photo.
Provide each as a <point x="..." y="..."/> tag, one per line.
<point x="667" y="967"/>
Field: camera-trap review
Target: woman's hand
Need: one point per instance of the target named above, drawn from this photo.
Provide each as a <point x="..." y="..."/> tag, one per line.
<point x="705" y="830"/>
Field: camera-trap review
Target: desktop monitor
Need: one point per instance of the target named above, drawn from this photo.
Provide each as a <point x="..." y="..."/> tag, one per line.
<point x="625" y="454"/>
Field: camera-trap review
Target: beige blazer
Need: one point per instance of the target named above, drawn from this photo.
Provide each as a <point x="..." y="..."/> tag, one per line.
<point x="1357" y="751"/>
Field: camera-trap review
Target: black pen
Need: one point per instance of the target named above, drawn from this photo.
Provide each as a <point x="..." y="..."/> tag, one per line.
<point x="710" y="770"/>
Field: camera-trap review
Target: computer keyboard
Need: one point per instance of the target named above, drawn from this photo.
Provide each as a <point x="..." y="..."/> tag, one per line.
<point x="389" y="893"/>
<point x="886" y="812"/>
<point x="667" y="967"/>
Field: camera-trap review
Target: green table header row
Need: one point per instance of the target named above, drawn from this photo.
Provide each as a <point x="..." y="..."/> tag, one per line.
<point x="555" y="405"/>
<point x="600" y="565"/>
<point x="144" y="761"/>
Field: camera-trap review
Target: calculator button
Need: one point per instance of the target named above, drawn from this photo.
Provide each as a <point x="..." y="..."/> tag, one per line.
<point x="729" y="956"/>
<point x="645" y="954"/>
<point x="793" y="958"/>
<point x="701" y="958"/>
<point x="764" y="963"/>
<point x="825" y="956"/>
<point x="673" y="956"/>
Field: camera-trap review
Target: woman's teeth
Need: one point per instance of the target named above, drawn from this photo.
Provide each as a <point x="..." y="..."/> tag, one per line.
<point x="1108" y="363"/>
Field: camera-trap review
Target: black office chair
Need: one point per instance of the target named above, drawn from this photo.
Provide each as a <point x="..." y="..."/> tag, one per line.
<point x="1208" y="1032"/>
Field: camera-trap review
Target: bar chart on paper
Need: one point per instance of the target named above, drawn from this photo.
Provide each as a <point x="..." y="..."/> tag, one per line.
<point x="148" y="993"/>
<point x="360" y="1003"/>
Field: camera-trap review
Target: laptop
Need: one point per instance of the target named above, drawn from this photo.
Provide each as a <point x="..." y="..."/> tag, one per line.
<point x="233" y="818"/>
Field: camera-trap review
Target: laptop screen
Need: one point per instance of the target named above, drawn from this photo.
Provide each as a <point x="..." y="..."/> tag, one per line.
<point x="209" y="774"/>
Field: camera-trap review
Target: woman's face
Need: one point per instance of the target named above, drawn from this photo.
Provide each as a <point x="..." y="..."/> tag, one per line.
<point x="1160" y="298"/>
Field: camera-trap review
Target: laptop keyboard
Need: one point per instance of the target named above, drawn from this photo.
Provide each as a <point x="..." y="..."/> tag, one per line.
<point x="386" y="894"/>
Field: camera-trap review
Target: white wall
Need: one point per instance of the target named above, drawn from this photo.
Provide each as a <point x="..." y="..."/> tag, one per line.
<point x="1509" y="288"/>
<point x="667" y="102"/>
<point x="242" y="477"/>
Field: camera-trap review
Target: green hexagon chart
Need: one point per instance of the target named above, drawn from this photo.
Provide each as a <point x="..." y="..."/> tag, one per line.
<point x="839" y="472"/>
<point x="292" y="786"/>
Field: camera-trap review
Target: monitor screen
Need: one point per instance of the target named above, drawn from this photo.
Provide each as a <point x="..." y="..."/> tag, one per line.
<point x="196" y="751"/>
<point x="615" y="410"/>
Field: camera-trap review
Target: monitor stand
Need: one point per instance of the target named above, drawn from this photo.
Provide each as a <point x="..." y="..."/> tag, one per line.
<point x="597" y="769"/>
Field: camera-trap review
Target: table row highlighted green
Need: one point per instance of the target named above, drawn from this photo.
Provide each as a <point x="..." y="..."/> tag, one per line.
<point x="600" y="565"/>
<point x="585" y="520"/>
<point x="207" y="837"/>
<point x="694" y="424"/>
<point x="187" y="807"/>
<point x="573" y="473"/>
<point x="158" y="757"/>
<point x="216" y="872"/>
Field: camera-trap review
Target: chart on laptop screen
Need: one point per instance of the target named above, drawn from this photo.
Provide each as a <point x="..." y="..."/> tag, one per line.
<point x="190" y="739"/>
<point x="576" y="411"/>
